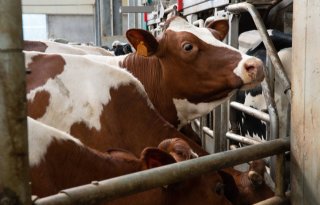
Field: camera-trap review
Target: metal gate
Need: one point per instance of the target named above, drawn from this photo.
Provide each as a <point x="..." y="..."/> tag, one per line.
<point x="133" y="183"/>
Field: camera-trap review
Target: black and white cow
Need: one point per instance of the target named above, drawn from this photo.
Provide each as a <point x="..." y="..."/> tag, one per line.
<point x="121" y="48"/>
<point x="248" y="125"/>
<point x="252" y="127"/>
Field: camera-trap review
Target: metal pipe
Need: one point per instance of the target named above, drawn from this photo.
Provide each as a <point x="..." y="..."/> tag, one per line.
<point x="117" y="17"/>
<point x="276" y="200"/>
<point x="14" y="164"/>
<point x="224" y="125"/>
<point x="217" y="130"/>
<point x="98" y="23"/>
<point x="201" y="135"/>
<point x="251" y="111"/>
<point x="205" y="129"/>
<point x="170" y="9"/>
<point x="277" y="163"/>
<point x="279" y="167"/>
<point x="246" y="7"/>
<point x="148" y="179"/>
<point x="199" y="23"/>
<point x="288" y="134"/>
<point x="242" y="139"/>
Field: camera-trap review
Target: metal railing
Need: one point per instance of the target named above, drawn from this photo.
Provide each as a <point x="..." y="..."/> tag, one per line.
<point x="133" y="183"/>
<point x="271" y="118"/>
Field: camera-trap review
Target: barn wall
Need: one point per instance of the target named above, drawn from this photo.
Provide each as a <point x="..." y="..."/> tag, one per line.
<point x="75" y="28"/>
<point x="305" y="140"/>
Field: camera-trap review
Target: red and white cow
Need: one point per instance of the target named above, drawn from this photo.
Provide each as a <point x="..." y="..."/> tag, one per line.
<point x="102" y="105"/>
<point x="59" y="161"/>
<point x="54" y="47"/>
<point x="241" y="188"/>
<point x="179" y="149"/>
<point x="188" y="71"/>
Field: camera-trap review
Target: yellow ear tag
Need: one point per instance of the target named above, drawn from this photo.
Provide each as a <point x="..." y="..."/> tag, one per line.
<point x="142" y="49"/>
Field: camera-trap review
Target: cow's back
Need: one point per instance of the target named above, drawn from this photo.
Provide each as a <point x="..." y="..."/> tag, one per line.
<point x="102" y="105"/>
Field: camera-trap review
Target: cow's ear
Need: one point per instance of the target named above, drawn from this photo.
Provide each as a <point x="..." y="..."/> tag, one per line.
<point x="219" y="27"/>
<point x="143" y="41"/>
<point x="154" y="157"/>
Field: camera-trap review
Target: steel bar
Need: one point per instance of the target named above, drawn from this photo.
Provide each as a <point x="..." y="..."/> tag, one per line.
<point x="246" y="7"/>
<point x="201" y="135"/>
<point x="233" y="41"/>
<point x="97" y="23"/>
<point x="106" y="18"/>
<point x="170" y="9"/>
<point x="224" y="126"/>
<point x="272" y="54"/>
<point x="136" y="9"/>
<point x="242" y="139"/>
<point x="14" y="166"/>
<point x="117" y="17"/>
<point x="148" y="179"/>
<point x="217" y="130"/>
<point x="276" y="200"/>
<point x="205" y="129"/>
<point x="208" y="131"/>
<point x="276" y="162"/>
<point x="199" y="23"/>
<point x="251" y="111"/>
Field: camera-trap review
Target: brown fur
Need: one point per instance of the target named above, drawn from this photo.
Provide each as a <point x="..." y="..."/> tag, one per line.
<point x="34" y="46"/>
<point x="247" y="190"/>
<point x="42" y="65"/>
<point x="241" y="188"/>
<point x="67" y="164"/>
<point x="37" y="108"/>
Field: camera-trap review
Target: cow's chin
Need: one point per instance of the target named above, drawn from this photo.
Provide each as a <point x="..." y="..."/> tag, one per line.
<point x="249" y="86"/>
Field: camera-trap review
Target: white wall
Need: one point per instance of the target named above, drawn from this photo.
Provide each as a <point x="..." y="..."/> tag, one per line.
<point x="34" y="26"/>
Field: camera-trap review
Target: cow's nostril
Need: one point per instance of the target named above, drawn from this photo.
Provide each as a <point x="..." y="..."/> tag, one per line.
<point x="250" y="68"/>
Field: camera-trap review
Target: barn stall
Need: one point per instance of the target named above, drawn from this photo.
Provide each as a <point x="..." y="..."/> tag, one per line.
<point x="304" y="172"/>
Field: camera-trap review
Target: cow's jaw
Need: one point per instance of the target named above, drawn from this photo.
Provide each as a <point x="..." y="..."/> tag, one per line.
<point x="187" y="111"/>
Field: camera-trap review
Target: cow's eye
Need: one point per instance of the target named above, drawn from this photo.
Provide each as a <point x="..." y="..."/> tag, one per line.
<point x="219" y="189"/>
<point x="187" y="46"/>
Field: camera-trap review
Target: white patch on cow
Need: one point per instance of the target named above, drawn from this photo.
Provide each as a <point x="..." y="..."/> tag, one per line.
<point x="181" y="25"/>
<point x="79" y="93"/>
<point x="110" y="60"/>
<point x="188" y="111"/>
<point x="257" y="102"/>
<point x="40" y="137"/>
<point x="27" y="59"/>
<point x="54" y="47"/>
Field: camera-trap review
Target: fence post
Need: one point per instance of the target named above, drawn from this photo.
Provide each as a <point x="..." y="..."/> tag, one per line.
<point x="14" y="187"/>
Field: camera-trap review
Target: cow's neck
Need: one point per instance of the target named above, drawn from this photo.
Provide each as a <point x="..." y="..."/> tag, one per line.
<point x="72" y="165"/>
<point x="149" y="72"/>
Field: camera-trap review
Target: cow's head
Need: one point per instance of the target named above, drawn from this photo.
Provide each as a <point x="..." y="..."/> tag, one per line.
<point x="206" y="189"/>
<point x="179" y="149"/>
<point x="199" y="70"/>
